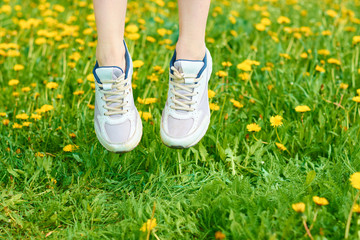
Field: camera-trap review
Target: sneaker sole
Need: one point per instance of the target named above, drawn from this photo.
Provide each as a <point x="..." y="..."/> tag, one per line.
<point x="125" y="147"/>
<point x="187" y="142"/>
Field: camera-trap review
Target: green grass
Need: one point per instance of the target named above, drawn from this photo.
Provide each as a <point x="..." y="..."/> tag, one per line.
<point x="233" y="181"/>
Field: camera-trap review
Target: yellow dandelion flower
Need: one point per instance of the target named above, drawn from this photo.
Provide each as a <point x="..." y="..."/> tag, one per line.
<point x="22" y="116"/>
<point x="72" y="64"/>
<point x="13" y="82"/>
<point x="150" y="39"/>
<point x="147" y="101"/>
<point x="132" y="28"/>
<point x="344" y="86"/>
<point x="149" y="225"/>
<point x="90" y="18"/>
<point x="90" y="77"/>
<point x="39" y="154"/>
<point x="253" y="127"/>
<point x="356" y="39"/>
<point x="356" y="99"/>
<point x="16" y="125"/>
<point x="44" y="108"/>
<point x="285" y="55"/>
<point x="40" y="41"/>
<point x="298" y="207"/>
<point x="326" y="33"/>
<point x="319" y="69"/>
<point x="211" y="93"/>
<point x="90" y="106"/>
<point x="161" y="31"/>
<point x="26" y="124"/>
<point x="355" y="180"/>
<point x="153" y="77"/>
<point x="236" y="103"/>
<point x="219" y="235"/>
<point x="35" y="116"/>
<point x="350" y="29"/>
<point x="221" y="74"/>
<point x="133" y="36"/>
<point x="18" y="67"/>
<point x="232" y="19"/>
<point x="63" y="46"/>
<point x="276" y="121"/>
<point x="226" y="64"/>
<point x="323" y="52"/>
<point x="266" y="21"/>
<point x="244" y="66"/>
<point x="214" y="107"/>
<point x="260" y="27"/>
<point x="244" y="76"/>
<point x="2" y="114"/>
<point x="138" y="63"/>
<point x="146" y="116"/>
<point x="320" y="201"/>
<point x="52" y="85"/>
<point x="234" y="33"/>
<point x="302" y="109"/>
<point x="25" y="89"/>
<point x="304" y="55"/>
<point x="75" y="56"/>
<point x="70" y="148"/>
<point x="331" y="13"/>
<point x="356" y="208"/>
<point x="59" y="8"/>
<point x="6" y="122"/>
<point x="282" y="20"/>
<point x="281" y="146"/>
<point x="158" y="69"/>
<point x="79" y="92"/>
<point x="334" y="61"/>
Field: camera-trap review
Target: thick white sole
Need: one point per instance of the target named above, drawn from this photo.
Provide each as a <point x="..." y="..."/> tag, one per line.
<point x="188" y="141"/>
<point x="124" y="147"/>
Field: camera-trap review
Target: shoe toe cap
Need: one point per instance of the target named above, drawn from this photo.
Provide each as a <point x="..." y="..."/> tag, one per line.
<point x="118" y="133"/>
<point x="179" y="128"/>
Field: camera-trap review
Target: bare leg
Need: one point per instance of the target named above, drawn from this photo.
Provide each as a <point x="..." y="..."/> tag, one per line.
<point x="110" y="23"/>
<point x="192" y="24"/>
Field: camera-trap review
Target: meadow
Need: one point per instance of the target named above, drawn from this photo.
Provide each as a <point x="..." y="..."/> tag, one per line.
<point x="275" y="163"/>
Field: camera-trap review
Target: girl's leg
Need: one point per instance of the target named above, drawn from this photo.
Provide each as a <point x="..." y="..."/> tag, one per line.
<point x="110" y="22"/>
<point x="192" y="24"/>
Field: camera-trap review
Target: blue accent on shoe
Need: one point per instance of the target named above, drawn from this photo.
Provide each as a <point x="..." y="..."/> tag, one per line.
<point x="94" y="73"/>
<point x="204" y="67"/>
<point x="187" y="60"/>
<point x="127" y="60"/>
<point x="127" y="63"/>
<point x="173" y="60"/>
<point x="97" y="66"/>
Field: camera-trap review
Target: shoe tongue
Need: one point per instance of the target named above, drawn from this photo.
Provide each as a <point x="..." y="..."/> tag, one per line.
<point x="108" y="73"/>
<point x="188" y="67"/>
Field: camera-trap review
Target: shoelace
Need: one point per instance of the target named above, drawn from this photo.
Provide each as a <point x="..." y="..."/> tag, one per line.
<point x="119" y="88"/>
<point x="182" y="101"/>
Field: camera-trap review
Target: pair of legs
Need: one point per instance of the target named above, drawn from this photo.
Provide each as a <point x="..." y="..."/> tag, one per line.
<point x="110" y="22"/>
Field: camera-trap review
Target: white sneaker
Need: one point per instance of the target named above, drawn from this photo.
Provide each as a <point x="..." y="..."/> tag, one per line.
<point x="186" y="116"/>
<point x="117" y="122"/>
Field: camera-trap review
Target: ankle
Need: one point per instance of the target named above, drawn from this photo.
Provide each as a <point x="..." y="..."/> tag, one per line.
<point x="111" y="55"/>
<point x="190" y="51"/>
